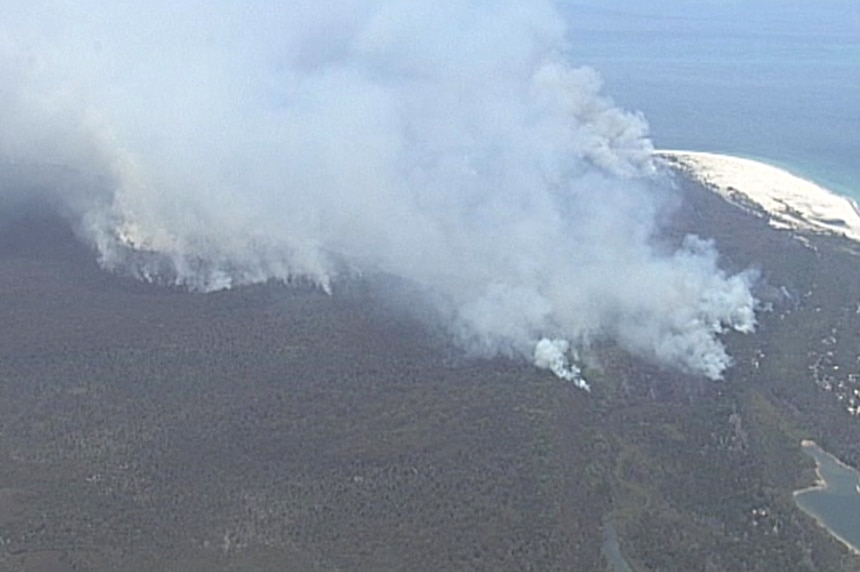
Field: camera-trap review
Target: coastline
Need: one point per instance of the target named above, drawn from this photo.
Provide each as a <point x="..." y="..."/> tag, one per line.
<point x="821" y="485"/>
<point x="851" y="548"/>
<point x="788" y="201"/>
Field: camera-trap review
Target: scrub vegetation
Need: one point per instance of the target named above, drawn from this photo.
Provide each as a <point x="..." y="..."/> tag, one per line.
<point x="275" y="428"/>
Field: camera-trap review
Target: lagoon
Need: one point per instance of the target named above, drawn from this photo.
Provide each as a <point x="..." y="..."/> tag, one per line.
<point x="835" y="500"/>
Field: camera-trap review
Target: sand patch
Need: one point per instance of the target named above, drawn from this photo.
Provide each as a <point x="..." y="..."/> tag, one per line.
<point x="790" y="201"/>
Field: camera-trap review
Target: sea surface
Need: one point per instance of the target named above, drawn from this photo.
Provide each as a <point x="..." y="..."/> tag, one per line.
<point x="775" y="80"/>
<point x="836" y="502"/>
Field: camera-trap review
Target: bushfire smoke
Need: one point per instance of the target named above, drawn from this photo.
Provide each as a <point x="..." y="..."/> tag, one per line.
<point x="449" y="143"/>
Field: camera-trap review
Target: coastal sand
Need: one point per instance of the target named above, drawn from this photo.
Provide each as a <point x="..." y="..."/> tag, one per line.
<point x="790" y="201"/>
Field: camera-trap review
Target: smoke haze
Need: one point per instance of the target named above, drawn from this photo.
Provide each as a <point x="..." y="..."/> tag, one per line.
<point x="451" y="144"/>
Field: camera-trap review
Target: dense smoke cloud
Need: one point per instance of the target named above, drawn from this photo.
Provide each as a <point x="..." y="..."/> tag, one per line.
<point x="451" y="144"/>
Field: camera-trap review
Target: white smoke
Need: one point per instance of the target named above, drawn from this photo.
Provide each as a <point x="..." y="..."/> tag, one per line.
<point x="553" y="355"/>
<point x="211" y="144"/>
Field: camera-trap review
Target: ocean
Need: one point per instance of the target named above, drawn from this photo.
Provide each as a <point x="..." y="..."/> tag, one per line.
<point x="775" y="80"/>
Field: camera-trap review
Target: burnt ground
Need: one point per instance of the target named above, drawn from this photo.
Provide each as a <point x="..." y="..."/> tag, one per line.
<point x="269" y="428"/>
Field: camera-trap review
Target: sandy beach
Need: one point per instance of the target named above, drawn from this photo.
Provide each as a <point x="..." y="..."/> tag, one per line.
<point x="790" y="202"/>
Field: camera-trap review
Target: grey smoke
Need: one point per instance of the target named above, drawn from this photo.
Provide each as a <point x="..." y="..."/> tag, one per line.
<point x="451" y="144"/>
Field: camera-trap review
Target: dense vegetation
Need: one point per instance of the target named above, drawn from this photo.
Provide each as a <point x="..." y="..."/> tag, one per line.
<point x="267" y="428"/>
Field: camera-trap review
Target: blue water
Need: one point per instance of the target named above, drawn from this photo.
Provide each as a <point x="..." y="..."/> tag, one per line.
<point x="836" y="505"/>
<point x="777" y="80"/>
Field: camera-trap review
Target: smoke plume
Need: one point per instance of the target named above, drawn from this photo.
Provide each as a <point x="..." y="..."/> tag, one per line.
<point x="449" y="143"/>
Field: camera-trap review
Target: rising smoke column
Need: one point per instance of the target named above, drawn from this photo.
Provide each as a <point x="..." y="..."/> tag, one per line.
<point x="451" y="144"/>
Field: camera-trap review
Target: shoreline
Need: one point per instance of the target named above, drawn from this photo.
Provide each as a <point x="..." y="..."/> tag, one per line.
<point x="851" y="548"/>
<point x="821" y="485"/>
<point x="788" y="201"/>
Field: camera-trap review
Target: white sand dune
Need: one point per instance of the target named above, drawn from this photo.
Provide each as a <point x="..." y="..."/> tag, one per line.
<point x="790" y="201"/>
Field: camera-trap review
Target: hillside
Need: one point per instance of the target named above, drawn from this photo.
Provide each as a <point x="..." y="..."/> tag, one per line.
<point x="274" y="428"/>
